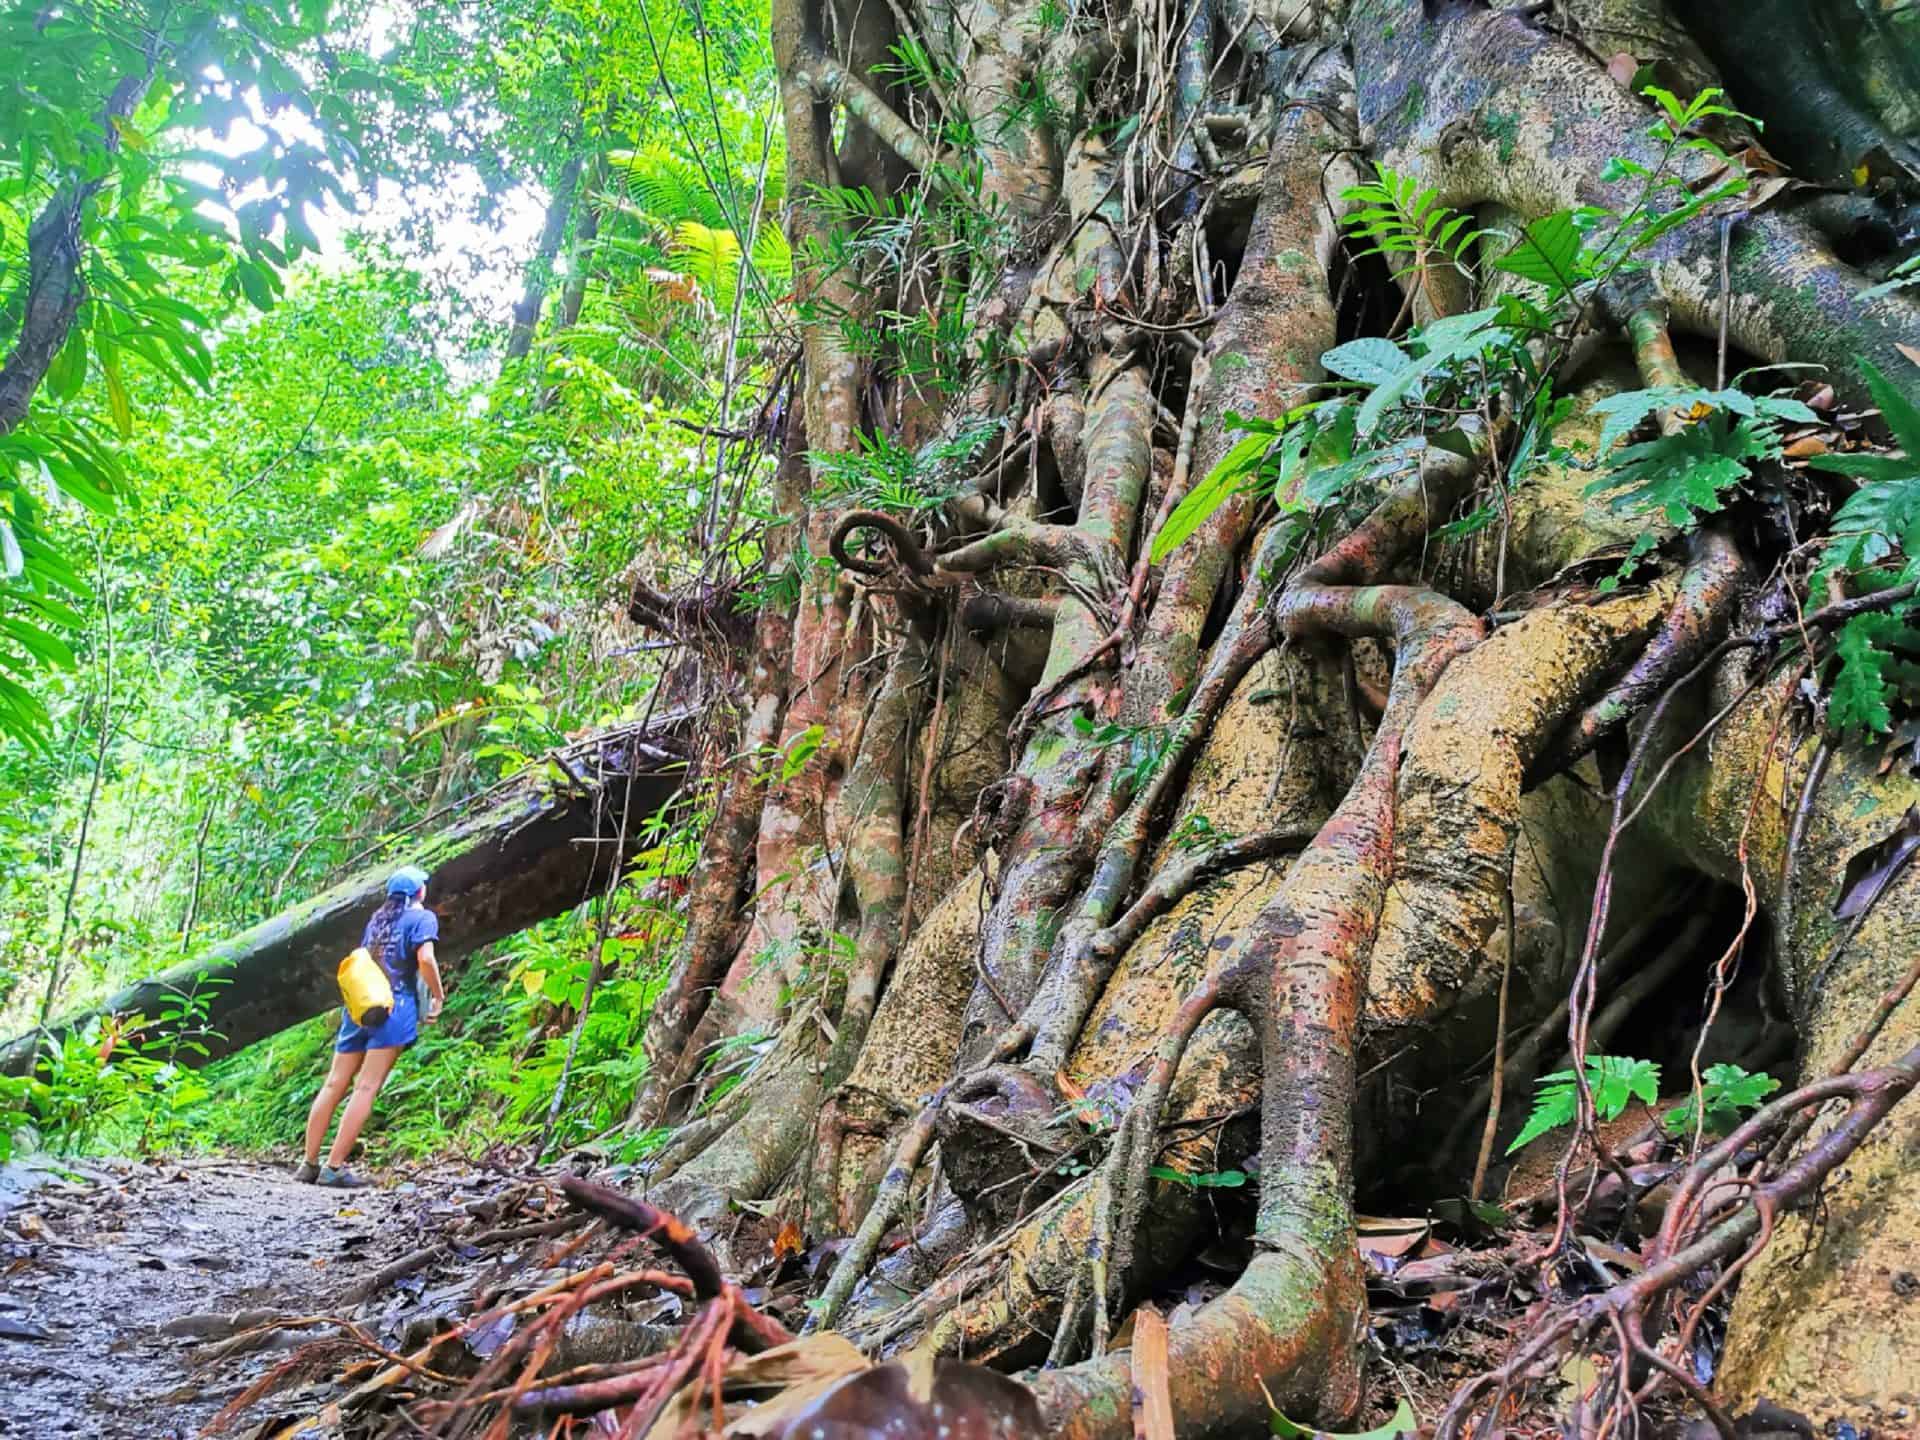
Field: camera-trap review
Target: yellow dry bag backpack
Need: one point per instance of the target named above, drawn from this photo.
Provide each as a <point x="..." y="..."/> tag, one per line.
<point x="365" y="989"/>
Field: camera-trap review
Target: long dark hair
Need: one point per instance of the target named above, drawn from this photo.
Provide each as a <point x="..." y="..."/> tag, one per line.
<point x="384" y="919"/>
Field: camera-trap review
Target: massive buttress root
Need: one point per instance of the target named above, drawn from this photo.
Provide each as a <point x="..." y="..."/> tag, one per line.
<point x="1140" y="931"/>
<point x="1824" y="1322"/>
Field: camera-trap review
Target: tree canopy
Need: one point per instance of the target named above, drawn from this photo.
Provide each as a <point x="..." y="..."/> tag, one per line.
<point x="292" y="557"/>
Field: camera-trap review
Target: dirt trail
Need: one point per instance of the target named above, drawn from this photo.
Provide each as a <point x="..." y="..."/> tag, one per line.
<point x="112" y="1282"/>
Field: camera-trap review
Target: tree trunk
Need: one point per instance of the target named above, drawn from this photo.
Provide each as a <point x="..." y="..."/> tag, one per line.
<point x="56" y="261"/>
<point x="1256" y="824"/>
<point x="1089" y="853"/>
<point x="531" y="848"/>
<point x="533" y="295"/>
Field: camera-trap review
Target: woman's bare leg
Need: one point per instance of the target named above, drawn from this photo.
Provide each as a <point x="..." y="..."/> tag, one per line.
<point x="332" y="1090"/>
<point x="373" y="1074"/>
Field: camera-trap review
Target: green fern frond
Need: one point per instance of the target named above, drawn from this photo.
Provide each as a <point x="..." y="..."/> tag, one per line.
<point x="664" y="186"/>
<point x="710" y="256"/>
<point x="772" y="256"/>
<point x="1399" y="217"/>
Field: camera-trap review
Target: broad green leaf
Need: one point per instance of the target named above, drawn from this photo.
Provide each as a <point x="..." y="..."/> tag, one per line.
<point x="1667" y="101"/>
<point x="1451" y="331"/>
<point x="255" y="284"/>
<point x="802" y="749"/>
<point x="1455" y="338"/>
<point x="69" y="367"/>
<point x="1372" y="360"/>
<point x="22" y="715"/>
<point x="1550" y="253"/>
<point x="1242" y="461"/>
<point x="117" y="401"/>
<point x="83" y="485"/>
<point x="47" y="648"/>
<point x="1681" y="214"/>
<point x="1200" y="1179"/>
<point x="1880" y="468"/>
<point x="1325" y="482"/>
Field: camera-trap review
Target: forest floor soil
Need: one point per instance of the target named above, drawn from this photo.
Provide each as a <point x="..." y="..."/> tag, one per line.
<point x="119" y="1280"/>
<point x="140" y="1298"/>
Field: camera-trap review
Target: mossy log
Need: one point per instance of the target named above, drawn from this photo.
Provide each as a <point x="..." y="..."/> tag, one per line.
<point x="532" y="848"/>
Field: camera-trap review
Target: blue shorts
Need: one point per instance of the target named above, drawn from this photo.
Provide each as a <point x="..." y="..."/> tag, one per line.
<point x="399" y="1030"/>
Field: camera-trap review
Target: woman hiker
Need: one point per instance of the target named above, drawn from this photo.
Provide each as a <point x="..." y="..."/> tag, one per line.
<point x="400" y="936"/>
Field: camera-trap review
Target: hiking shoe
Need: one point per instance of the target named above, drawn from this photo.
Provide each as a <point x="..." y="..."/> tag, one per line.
<point x="306" y="1172"/>
<point x="341" y="1179"/>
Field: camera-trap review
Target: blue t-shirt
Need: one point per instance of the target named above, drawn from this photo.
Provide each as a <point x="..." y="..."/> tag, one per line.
<point x="415" y="927"/>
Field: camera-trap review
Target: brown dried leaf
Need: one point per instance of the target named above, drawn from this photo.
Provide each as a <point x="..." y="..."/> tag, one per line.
<point x="1902" y="745"/>
<point x="826" y="1356"/>
<point x="801" y="1371"/>
<point x="762" y="1420"/>
<point x="1391" y="1237"/>
<point x="674" y="285"/>
<point x="967" y="1402"/>
<point x="1152" y="1394"/>
<point x="1763" y="194"/>
<point x="1869" y="872"/>
<point x="919" y="1367"/>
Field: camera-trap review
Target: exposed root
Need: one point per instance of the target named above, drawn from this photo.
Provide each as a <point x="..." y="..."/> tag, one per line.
<point x="1709" y="590"/>
<point x="1083" y="962"/>
<point x="906" y="545"/>
<point x="1460" y="789"/>
<point x="1433" y="79"/>
<point x="1695" y="1236"/>
<point x="1300" y="973"/>
<point x="1394" y="906"/>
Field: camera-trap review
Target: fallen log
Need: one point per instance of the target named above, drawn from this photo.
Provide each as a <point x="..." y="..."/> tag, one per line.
<point x="531" y="848"/>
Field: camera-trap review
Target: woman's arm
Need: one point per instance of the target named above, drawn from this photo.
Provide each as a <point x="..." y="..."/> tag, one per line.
<point x="430" y="967"/>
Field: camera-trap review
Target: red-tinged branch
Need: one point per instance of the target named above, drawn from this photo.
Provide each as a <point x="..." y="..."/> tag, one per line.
<point x="590" y="1395"/>
<point x="1714" y="1240"/>
<point x="725" y="870"/>
<point x="1294" y="1319"/>
<point x="752" y="1330"/>
<point x="1709" y="590"/>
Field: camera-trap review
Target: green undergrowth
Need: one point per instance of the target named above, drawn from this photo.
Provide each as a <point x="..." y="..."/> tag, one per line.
<point x="481" y="1076"/>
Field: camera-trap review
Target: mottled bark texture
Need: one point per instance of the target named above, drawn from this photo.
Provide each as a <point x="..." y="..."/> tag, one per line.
<point x="1214" y="827"/>
<point x="1083" y="861"/>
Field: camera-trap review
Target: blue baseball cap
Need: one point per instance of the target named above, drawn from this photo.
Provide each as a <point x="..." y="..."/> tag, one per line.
<point x="407" y="880"/>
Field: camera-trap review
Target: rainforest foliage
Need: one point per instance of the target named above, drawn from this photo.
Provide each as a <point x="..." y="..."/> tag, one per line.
<point x="1260" y="612"/>
<point x="306" y="541"/>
